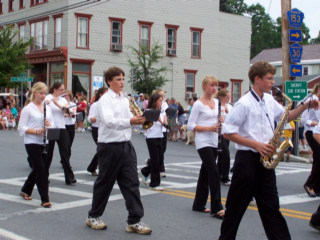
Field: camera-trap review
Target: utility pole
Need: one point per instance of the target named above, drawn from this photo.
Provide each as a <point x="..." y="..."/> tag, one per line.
<point x="285" y="7"/>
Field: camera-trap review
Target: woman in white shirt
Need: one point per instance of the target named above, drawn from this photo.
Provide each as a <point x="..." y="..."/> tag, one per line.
<point x="224" y="156"/>
<point x="204" y="122"/>
<point x="154" y="137"/>
<point x="70" y="119"/>
<point x="31" y="125"/>
<point x="58" y="105"/>
<point x="95" y="126"/>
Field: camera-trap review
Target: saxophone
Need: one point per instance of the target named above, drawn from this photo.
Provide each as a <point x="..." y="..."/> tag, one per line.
<point x="271" y="161"/>
<point x="136" y="111"/>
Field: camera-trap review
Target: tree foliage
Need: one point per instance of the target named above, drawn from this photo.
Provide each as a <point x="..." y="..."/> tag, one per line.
<point x="149" y="75"/>
<point x="266" y="33"/>
<point x="12" y="56"/>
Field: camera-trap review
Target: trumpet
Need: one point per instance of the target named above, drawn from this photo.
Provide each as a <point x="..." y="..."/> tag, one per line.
<point x="136" y="111"/>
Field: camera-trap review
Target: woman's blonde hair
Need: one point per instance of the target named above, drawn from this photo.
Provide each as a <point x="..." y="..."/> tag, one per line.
<point x="39" y="86"/>
<point x="68" y="92"/>
<point x="209" y="79"/>
<point x="315" y="89"/>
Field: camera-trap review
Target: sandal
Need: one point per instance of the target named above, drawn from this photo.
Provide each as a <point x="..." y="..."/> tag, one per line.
<point x="46" y="204"/>
<point x="219" y="214"/>
<point x="205" y="210"/>
<point x="25" y="196"/>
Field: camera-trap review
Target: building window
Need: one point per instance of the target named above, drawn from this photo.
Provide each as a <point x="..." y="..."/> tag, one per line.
<point x="145" y="34"/>
<point x="39" y="31"/>
<point x="196" y="42"/>
<point x="83" y="21"/>
<point x="190" y="76"/>
<point x="22" y="4"/>
<point x="116" y="33"/>
<point x="21" y="31"/>
<point x="56" y="73"/>
<point x="37" y="2"/>
<point x="171" y="40"/>
<point x="81" y="76"/>
<point x="235" y="90"/>
<point x="305" y="70"/>
<point x="10" y="6"/>
<point x="57" y="32"/>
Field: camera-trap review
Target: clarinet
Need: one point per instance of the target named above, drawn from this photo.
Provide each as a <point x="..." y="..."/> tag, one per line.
<point x="219" y="150"/>
<point x="44" y="150"/>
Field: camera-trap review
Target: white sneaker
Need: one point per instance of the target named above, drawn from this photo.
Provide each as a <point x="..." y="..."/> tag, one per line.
<point x="83" y="130"/>
<point x="96" y="223"/>
<point x="163" y="174"/>
<point x="157" y="188"/>
<point x="144" y="179"/>
<point x="227" y="183"/>
<point x="140" y="228"/>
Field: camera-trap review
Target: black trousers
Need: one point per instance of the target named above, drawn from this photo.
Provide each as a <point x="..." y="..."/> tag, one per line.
<point x="164" y="148"/>
<point x="251" y="179"/>
<point x="71" y="132"/>
<point x="224" y="160"/>
<point x="156" y="154"/>
<point x="313" y="180"/>
<point x="117" y="162"/>
<point x="315" y="219"/>
<point x="208" y="179"/>
<point x="94" y="162"/>
<point x="39" y="173"/>
<point x="63" y="144"/>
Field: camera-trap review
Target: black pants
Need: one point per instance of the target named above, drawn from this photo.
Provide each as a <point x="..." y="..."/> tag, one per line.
<point x="164" y="148"/>
<point x="39" y="173"/>
<point x="313" y="180"/>
<point x="251" y="179"/>
<point x="315" y="219"/>
<point x="117" y="162"/>
<point x="94" y="162"/>
<point x="63" y="144"/>
<point x="208" y="179"/>
<point x="156" y="154"/>
<point x="224" y="160"/>
<point x="71" y="132"/>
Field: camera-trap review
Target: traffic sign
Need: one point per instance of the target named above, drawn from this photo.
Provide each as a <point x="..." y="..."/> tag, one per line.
<point x="295" y="35"/>
<point x="295" y="18"/>
<point x="295" y="70"/>
<point x="295" y="52"/>
<point x="296" y="90"/>
<point x="21" y="79"/>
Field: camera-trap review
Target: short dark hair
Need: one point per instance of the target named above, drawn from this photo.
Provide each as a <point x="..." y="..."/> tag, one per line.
<point x="111" y="73"/>
<point x="260" y="69"/>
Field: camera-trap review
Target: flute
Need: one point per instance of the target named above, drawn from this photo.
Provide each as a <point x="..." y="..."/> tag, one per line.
<point x="219" y="129"/>
<point x="44" y="150"/>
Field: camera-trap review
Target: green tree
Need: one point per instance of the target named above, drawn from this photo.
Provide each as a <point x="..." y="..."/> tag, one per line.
<point x="233" y="6"/>
<point x="149" y="75"/>
<point x="315" y="40"/>
<point x="12" y="56"/>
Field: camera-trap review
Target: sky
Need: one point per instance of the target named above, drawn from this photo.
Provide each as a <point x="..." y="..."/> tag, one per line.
<point x="310" y="9"/>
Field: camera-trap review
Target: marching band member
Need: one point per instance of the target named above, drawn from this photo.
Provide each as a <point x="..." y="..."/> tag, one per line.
<point x="94" y="129"/>
<point x="58" y="106"/>
<point x="154" y="138"/>
<point x="116" y="156"/>
<point x="204" y="121"/>
<point x="31" y="125"/>
<point x="70" y="119"/>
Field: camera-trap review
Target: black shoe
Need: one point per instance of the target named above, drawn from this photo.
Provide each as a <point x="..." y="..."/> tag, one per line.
<point x="317" y="227"/>
<point x="71" y="181"/>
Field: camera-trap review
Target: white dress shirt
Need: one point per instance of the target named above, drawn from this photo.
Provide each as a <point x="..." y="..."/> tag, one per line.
<point x="73" y="109"/>
<point x="57" y="113"/>
<point x="114" y="117"/>
<point x="32" y="118"/>
<point x="93" y="114"/>
<point x="156" y="130"/>
<point x="253" y="118"/>
<point x="308" y="116"/>
<point x="203" y="115"/>
<point x="164" y="107"/>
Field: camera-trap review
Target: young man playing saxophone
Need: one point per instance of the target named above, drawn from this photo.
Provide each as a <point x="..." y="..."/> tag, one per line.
<point x="116" y="156"/>
<point x="250" y="125"/>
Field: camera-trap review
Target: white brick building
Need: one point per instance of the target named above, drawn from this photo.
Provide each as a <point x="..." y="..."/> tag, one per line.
<point x="76" y="40"/>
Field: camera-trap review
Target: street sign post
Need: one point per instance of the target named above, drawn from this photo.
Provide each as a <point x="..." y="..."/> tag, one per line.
<point x="295" y="52"/>
<point x="21" y="79"/>
<point x="295" y="35"/>
<point x="296" y="90"/>
<point x="295" y="17"/>
<point x="295" y="70"/>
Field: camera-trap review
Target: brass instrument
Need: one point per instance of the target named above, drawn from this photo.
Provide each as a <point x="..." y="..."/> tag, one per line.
<point x="271" y="161"/>
<point x="44" y="150"/>
<point x="136" y="111"/>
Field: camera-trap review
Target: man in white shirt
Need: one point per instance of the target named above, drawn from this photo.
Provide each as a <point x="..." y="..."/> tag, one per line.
<point x="116" y="156"/>
<point x="250" y="125"/>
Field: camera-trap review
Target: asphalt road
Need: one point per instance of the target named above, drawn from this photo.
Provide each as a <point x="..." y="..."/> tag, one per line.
<point x="168" y="213"/>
